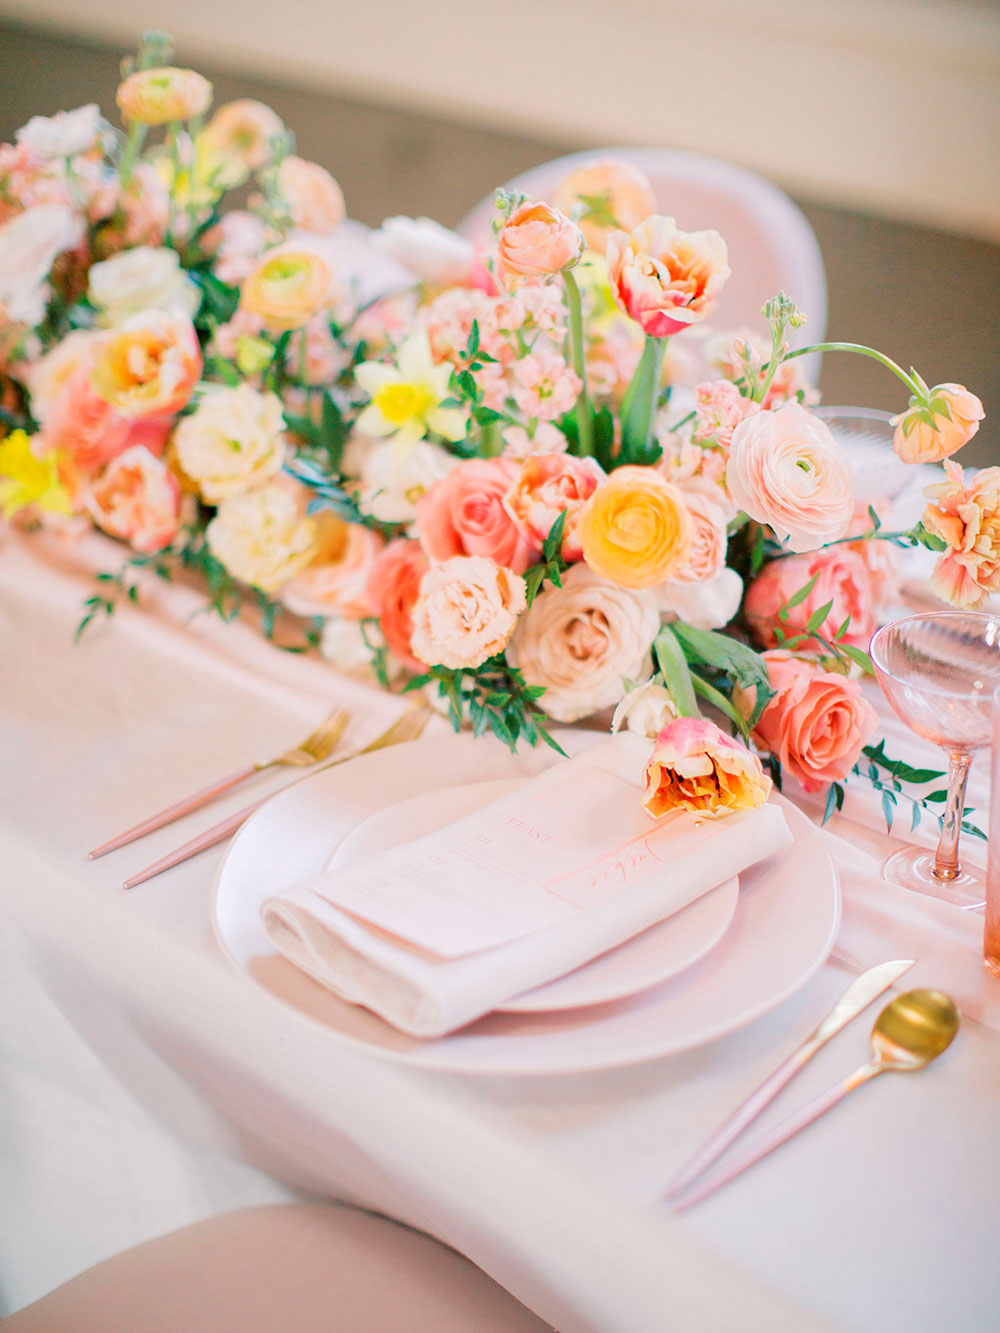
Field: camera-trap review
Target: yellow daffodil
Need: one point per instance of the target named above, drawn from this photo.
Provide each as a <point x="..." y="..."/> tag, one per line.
<point x="26" y="480"/>
<point x="406" y="398"/>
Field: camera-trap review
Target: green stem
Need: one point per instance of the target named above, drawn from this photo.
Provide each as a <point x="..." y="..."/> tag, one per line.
<point x="886" y="361"/>
<point x="133" y="145"/>
<point x="641" y="398"/>
<point x="584" y="423"/>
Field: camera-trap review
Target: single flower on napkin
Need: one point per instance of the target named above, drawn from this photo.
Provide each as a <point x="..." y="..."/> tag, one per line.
<point x="696" y="766"/>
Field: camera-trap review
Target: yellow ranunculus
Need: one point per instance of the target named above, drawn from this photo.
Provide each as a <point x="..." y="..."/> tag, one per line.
<point x="635" y="529"/>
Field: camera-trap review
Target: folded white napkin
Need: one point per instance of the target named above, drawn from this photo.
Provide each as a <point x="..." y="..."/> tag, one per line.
<point x="426" y="994"/>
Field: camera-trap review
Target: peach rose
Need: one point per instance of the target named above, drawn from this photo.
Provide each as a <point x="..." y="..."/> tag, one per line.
<point x="550" y="485"/>
<point x="816" y="723"/>
<point x="393" y="589"/>
<point x="466" y="612"/>
<point x="315" y="200"/>
<point x="709" y="538"/>
<point x="336" y="583"/>
<point x="464" y="514"/>
<point x="287" y="286"/>
<point x="583" y="641"/>
<point x="696" y="766"/>
<point x="536" y="241"/>
<point x="136" y="498"/>
<point x="968" y="519"/>
<point x="842" y="578"/>
<point x="636" y="529"/>
<point x="47" y="376"/>
<point x="605" y="194"/>
<point x="84" y="425"/>
<point x="664" y="278"/>
<point x="157" y="96"/>
<point x="933" y="429"/>
<point x="244" y="131"/>
<point x="150" y="365"/>
<point x="262" y="537"/>
<point x="786" y="469"/>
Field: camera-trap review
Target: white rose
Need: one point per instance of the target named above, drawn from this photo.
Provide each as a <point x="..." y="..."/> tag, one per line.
<point x="232" y="441"/>
<point x="431" y="252"/>
<point x="145" y="278"/>
<point x="707" y="605"/>
<point x="30" y="243"/>
<point x="65" y="134"/>
<point x="261" y="536"/>
<point x="646" y="710"/>
<point x="583" y="641"/>
<point x="391" y="485"/>
<point x="342" y="643"/>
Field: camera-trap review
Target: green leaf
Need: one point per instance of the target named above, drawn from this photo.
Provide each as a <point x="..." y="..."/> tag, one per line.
<point x="937" y="797"/>
<point x="220" y="300"/>
<point x="797" y="597"/>
<point x="552" y="546"/>
<point x="817" y="618"/>
<point x="718" y="700"/>
<point x="472" y="346"/>
<point x="888" y="808"/>
<point x="834" y="800"/>
<point x="717" y="650"/>
<point x="858" y="656"/>
<point x="915" y="818"/>
<point x="674" y="668"/>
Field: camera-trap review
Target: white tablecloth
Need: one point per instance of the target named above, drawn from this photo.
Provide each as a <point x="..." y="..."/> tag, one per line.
<point x="146" y="1083"/>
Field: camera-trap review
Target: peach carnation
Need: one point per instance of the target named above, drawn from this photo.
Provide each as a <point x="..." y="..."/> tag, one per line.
<point x="233" y="440"/>
<point x="262" y="536"/>
<point x="550" y="485"/>
<point x="663" y="278"/>
<point x="968" y="519"/>
<point x="696" y="766"/>
<point x="466" y="612"/>
<point x="635" y="529"/>
<point x="150" y="364"/>
<point x="535" y="242"/>
<point x="938" y="427"/>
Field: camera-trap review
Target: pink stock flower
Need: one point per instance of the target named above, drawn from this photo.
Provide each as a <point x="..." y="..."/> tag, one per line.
<point x="816" y="723"/>
<point x="842" y="578"/>
<point x="720" y="409"/>
<point x="696" y="766"/>
<point x="535" y="242"/>
<point x="938" y="427"/>
<point x="238" y="240"/>
<point x="544" y="307"/>
<point x="136" y="498"/>
<point x="547" y="439"/>
<point x="449" y="317"/>
<point x="84" y="425"/>
<point x="464" y="514"/>
<point x="968" y="519"/>
<point x="466" y="612"/>
<point x="546" y="386"/>
<point x="663" y="278"/>
<point x="549" y="485"/>
<point x="605" y="194"/>
<point x="393" y="589"/>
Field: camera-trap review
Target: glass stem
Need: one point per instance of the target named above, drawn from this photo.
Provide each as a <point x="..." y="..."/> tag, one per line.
<point x="946" y="857"/>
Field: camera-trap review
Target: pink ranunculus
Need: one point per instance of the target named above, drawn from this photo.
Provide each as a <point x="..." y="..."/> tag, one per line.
<point x="83" y="424"/>
<point x="546" y="386"/>
<point x="464" y="514"/>
<point x="720" y="409"/>
<point x="535" y="242"/>
<point x="314" y="198"/>
<point x="549" y="485"/>
<point x="842" y="578"/>
<point x="816" y="723"/>
<point x="664" y="278"/>
<point x="136" y="498"/>
<point x="786" y="469"/>
<point x="336" y="583"/>
<point x="393" y="589"/>
<point x="938" y="427"/>
<point x="709" y="536"/>
<point x="696" y="766"/>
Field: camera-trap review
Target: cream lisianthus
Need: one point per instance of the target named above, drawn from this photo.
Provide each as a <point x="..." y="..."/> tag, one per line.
<point x="144" y="278"/>
<point x="262" y="536"/>
<point x="232" y="441"/>
<point x="406" y="397"/>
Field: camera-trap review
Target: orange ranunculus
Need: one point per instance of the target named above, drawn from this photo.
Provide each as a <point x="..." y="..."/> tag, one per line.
<point x="157" y="96"/>
<point x="635" y="529"/>
<point x="968" y="519"/>
<point x="242" y="131"/>
<point x="605" y="194"/>
<point x="315" y="200"/>
<point x="287" y="286"/>
<point x="930" y="431"/>
<point x="664" y="278"/>
<point x="150" y="365"/>
<point x="535" y="242"/>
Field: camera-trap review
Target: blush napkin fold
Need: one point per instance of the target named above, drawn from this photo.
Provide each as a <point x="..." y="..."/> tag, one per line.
<point x="427" y="996"/>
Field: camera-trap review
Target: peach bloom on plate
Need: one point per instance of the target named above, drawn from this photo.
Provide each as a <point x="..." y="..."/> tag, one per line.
<point x="786" y="470"/>
<point x="929" y="431"/>
<point x="466" y="612"/>
<point x="842" y="578"/>
<point x="967" y="517"/>
<point x="816" y="723"/>
<point x="393" y="589"/>
<point x="464" y="514"/>
<point x="696" y="766"/>
<point x="336" y="583"/>
<point x="604" y="194"/>
<point x="150" y="365"/>
<point x="550" y="485"/>
<point x="315" y="201"/>
<point x="664" y="278"/>
<point x="636" y="529"/>
<point x="136" y="498"/>
<point x="536" y="241"/>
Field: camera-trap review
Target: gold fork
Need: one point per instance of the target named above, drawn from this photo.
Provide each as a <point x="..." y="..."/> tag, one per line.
<point x="315" y="747"/>
<point x="407" y="727"/>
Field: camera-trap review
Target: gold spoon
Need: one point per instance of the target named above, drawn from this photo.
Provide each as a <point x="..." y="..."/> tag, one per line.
<point x="911" y="1031"/>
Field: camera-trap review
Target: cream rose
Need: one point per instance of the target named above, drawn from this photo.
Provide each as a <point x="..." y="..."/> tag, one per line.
<point x="145" y="278"/>
<point x="466" y="611"/>
<point x="707" y="605"/>
<point x="262" y="537"/>
<point x="232" y="441"/>
<point x="30" y="243"/>
<point x="583" y="641"/>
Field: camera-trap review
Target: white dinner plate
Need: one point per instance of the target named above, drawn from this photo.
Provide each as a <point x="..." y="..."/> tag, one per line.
<point x="786" y="918"/>
<point x="650" y="958"/>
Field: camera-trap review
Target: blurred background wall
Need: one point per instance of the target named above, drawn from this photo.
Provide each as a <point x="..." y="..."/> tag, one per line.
<point x="880" y="117"/>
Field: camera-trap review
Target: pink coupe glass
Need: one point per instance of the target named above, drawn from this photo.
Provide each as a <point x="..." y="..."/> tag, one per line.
<point x="991" y="926"/>
<point x="939" y="673"/>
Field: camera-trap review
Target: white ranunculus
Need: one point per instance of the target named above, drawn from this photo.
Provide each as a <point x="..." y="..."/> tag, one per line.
<point x="232" y="441"/>
<point x="583" y="641"/>
<point x="65" y="134"/>
<point x="707" y="605"/>
<point x="645" y="710"/>
<point x="391" y="485"/>
<point x="30" y="243"/>
<point x="144" y="278"/>
<point x="262" y="537"/>
<point x="430" y="252"/>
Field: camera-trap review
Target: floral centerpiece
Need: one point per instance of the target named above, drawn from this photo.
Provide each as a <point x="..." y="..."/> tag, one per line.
<point x="479" y="483"/>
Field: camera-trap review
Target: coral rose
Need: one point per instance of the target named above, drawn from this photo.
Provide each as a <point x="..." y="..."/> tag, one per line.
<point x="816" y="722"/>
<point x="696" y="766"/>
<point x="233" y="440"/>
<point x="583" y="641"/>
<point x="287" y="286"/>
<point x="466" y="612"/>
<point x="786" y="469"/>
<point x="842" y="578"/>
<point x="150" y="365"/>
<point x="136" y="498"/>
<point x="393" y="589"/>
<point x="336" y="583"/>
<point x="635" y="529"/>
<point x="968" y="519"/>
<point x="315" y="200"/>
<point x="664" y="278"/>
<point x="262" y="536"/>
<point x="464" y="514"/>
<point x="536" y="241"/>
<point x="933" y="429"/>
<point x="550" y="485"/>
<point x="84" y="425"/>
<point x="605" y="194"/>
<point x="157" y="96"/>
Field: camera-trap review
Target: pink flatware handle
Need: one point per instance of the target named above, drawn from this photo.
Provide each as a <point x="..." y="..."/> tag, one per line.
<point x="172" y="812"/>
<point x="216" y="834"/>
